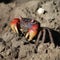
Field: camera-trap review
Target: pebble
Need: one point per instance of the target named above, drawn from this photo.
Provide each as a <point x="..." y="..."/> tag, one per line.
<point x="40" y="11"/>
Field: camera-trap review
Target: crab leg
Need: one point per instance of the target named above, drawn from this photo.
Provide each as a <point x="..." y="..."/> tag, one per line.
<point x="38" y="38"/>
<point x="37" y="41"/>
<point x="50" y="35"/>
<point x="44" y="33"/>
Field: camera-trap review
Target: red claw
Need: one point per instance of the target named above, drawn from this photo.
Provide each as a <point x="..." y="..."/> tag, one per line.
<point x="32" y="32"/>
<point x="15" y="24"/>
<point x="15" y="21"/>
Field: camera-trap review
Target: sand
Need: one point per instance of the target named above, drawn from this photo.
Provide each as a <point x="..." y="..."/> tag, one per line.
<point x="11" y="45"/>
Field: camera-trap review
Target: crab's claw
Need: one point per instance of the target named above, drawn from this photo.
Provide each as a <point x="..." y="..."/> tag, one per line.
<point x="32" y="32"/>
<point x="15" y="25"/>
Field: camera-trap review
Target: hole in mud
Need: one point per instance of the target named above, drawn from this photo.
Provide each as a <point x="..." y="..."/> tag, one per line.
<point x="41" y="18"/>
<point x="5" y="25"/>
<point x="1" y="56"/>
<point x="3" y="50"/>
<point x="46" y="51"/>
<point x="44" y="1"/>
<point x="15" y="53"/>
<point x="45" y="12"/>
<point x="57" y="10"/>
<point x="53" y="19"/>
<point x="41" y="2"/>
<point x="16" y="56"/>
<point x="54" y="3"/>
<point x="1" y="39"/>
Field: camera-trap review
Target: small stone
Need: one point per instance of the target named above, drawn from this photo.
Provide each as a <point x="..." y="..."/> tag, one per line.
<point x="40" y="11"/>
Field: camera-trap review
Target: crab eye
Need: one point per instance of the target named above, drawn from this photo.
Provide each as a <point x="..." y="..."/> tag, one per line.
<point x="32" y="20"/>
<point x="20" y="17"/>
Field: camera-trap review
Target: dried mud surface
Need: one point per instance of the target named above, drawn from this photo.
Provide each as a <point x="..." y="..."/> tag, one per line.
<point x="11" y="45"/>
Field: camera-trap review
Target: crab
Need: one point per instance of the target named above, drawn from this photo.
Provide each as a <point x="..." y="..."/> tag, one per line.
<point x="26" y="26"/>
<point x="31" y="28"/>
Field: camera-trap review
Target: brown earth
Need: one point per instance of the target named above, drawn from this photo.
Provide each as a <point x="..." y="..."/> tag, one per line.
<point x="12" y="47"/>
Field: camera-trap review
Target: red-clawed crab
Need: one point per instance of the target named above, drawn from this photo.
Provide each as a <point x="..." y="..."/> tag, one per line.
<point x="31" y="28"/>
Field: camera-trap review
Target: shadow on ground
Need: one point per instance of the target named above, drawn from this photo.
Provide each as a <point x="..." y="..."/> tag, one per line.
<point x="6" y="1"/>
<point x="55" y="35"/>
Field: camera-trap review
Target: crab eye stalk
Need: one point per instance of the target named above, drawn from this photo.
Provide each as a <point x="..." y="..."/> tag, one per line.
<point x="20" y="17"/>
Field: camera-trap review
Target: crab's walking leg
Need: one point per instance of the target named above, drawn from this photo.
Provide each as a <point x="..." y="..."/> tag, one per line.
<point x="37" y="42"/>
<point x="44" y="33"/>
<point x="50" y="35"/>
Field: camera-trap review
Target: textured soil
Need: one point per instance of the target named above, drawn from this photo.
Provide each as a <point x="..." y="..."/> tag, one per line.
<point x="11" y="45"/>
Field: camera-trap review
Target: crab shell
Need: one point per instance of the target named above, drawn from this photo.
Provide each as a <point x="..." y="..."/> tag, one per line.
<point x="34" y="28"/>
<point x="31" y="31"/>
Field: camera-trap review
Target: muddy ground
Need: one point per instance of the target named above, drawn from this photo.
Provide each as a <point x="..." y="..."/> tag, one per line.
<point x="11" y="45"/>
